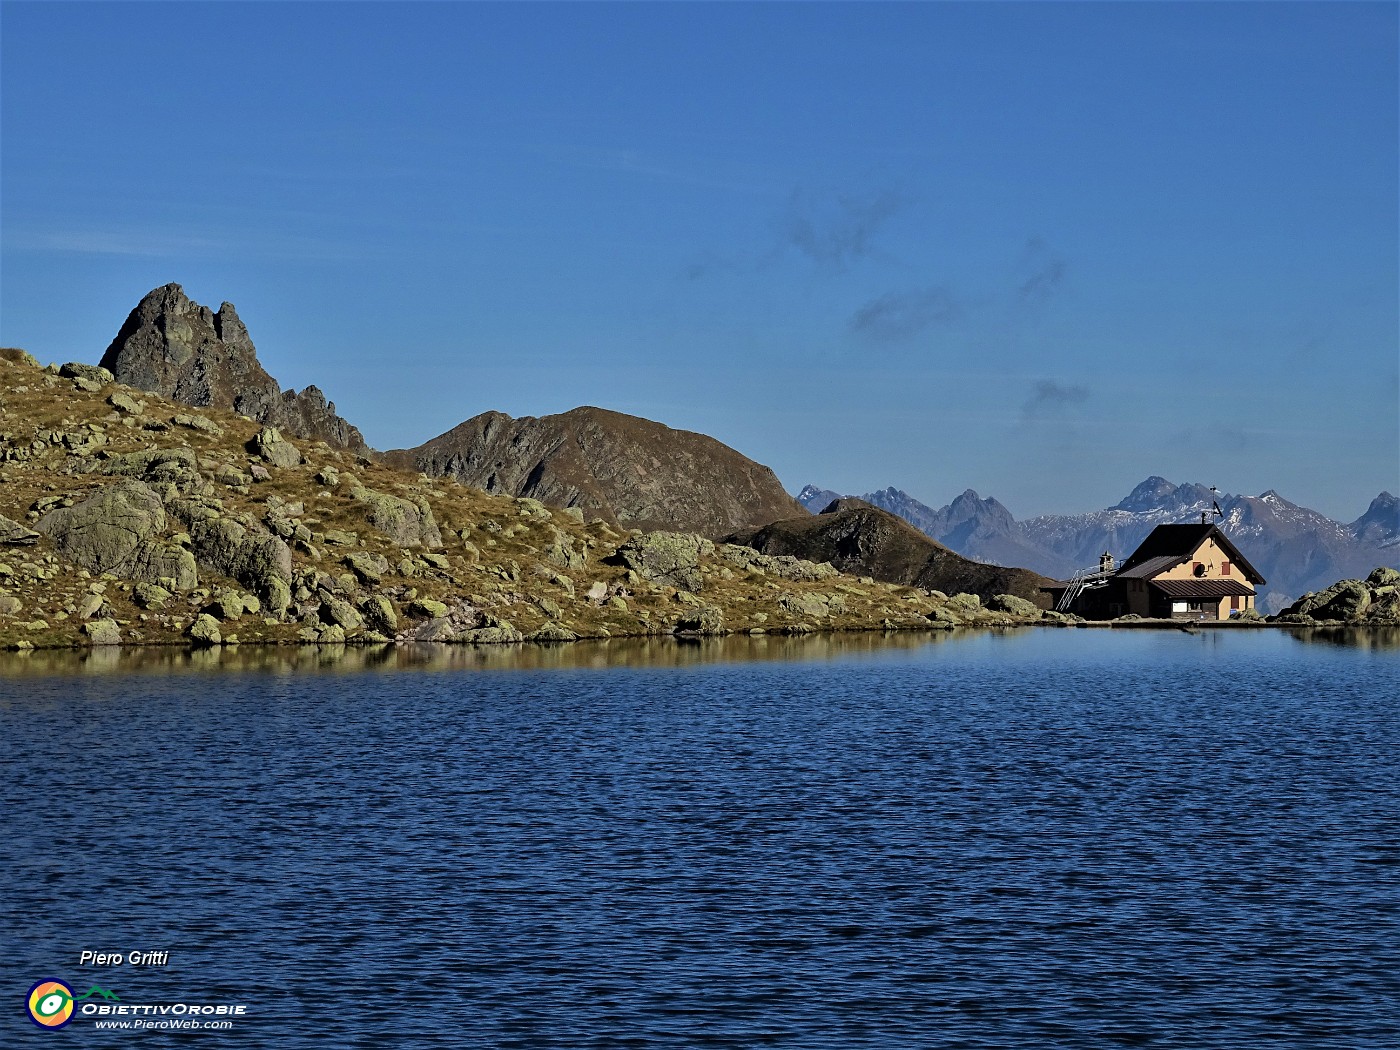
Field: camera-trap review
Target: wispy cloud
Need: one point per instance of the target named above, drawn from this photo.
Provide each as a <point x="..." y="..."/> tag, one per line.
<point x="1049" y="398"/>
<point x="141" y="243"/>
<point x="900" y="315"/>
<point x="1045" y="268"/>
<point x="833" y="234"/>
<point x="152" y="243"/>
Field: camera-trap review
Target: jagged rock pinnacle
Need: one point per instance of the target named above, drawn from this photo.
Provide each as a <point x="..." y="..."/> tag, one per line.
<point x="173" y="346"/>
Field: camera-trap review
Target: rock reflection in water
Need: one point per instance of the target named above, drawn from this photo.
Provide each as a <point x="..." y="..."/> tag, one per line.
<point x="1350" y="637"/>
<point x="618" y="652"/>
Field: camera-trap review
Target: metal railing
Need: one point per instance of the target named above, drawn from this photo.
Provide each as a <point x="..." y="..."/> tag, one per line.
<point x="1081" y="581"/>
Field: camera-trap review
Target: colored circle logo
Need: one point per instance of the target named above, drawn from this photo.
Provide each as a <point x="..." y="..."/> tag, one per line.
<point x="51" y="1004"/>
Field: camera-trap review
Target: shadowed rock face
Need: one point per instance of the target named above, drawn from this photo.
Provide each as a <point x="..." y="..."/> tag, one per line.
<point x="621" y="468"/>
<point x="864" y="540"/>
<point x="187" y="352"/>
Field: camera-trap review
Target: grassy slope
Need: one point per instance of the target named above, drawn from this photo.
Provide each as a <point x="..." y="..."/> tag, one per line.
<point x="507" y="575"/>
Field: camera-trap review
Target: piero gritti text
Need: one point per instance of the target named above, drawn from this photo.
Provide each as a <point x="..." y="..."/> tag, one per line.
<point x="138" y="958"/>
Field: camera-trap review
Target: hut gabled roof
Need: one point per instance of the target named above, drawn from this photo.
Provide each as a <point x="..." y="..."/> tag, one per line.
<point x="1167" y="546"/>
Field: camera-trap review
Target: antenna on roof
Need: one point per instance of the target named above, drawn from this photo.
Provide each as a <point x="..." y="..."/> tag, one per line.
<point x="1215" y="510"/>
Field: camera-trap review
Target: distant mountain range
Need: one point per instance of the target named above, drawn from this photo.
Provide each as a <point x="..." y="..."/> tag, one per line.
<point x="1297" y="549"/>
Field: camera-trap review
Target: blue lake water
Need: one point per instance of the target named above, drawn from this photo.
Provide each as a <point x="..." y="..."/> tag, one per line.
<point x="1051" y="838"/>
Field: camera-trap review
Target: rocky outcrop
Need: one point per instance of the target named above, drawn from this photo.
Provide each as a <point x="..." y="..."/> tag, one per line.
<point x="863" y="540"/>
<point x="116" y="531"/>
<point x="201" y="357"/>
<point x="13" y="534"/>
<point x="621" y="468"/>
<point x="404" y="522"/>
<point x="1374" y="601"/>
<point x="668" y="558"/>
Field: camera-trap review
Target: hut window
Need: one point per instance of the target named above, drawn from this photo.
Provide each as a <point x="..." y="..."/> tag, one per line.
<point x="1224" y="568"/>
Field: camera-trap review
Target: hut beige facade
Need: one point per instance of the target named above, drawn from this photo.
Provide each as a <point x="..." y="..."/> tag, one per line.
<point x="1182" y="572"/>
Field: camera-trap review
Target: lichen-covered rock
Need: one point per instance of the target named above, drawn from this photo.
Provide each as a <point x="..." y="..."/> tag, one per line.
<point x="1383" y="577"/>
<point x="503" y="633"/>
<point x="204" y="630"/>
<point x="13" y="534"/>
<point x="707" y="619"/>
<point x="278" y="596"/>
<point x="10" y="605"/>
<point x="193" y="422"/>
<point x="427" y="607"/>
<point x="275" y="449"/>
<point x="560" y="551"/>
<point x="115" y="530"/>
<point x="90" y="606"/>
<point x="807" y="605"/>
<point x="404" y="522"/>
<point x="671" y="558"/>
<point x="438" y="629"/>
<point x="254" y="559"/>
<point x="174" y="466"/>
<point x="368" y="568"/>
<point x="103" y="632"/>
<point x="92" y="373"/>
<point x="1345" y="600"/>
<point x="338" y="611"/>
<point x="552" y="632"/>
<point x="227" y="605"/>
<point x="126" y="403"/>
<point x="149" y="595"/>
<point x="1009" y="603"/>
<point x="378" y="613"/>
<point x="16" y="356"/>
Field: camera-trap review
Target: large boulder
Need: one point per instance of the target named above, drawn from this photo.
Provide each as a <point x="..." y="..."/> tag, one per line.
<point x="163" y="466"/>
<point x="1009" y="603"/>
<point x="1344" y="600"/>
<point x="258" y="560"/>
<point x="277" y="450"/>
<point x="668" y="558"/>
<point x="406" y="523"/>
<point x="116" y="530"/>
<point x="13" y="534"/>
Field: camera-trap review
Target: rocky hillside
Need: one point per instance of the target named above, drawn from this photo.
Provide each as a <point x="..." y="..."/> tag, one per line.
<point x="191" y="354"/>
<point x="862" y="539"/>
<point x="129" y="518"/>
<point x="1295" y="548"/>
<point x="1374" y="601"/>
<point x="624" y="469"/>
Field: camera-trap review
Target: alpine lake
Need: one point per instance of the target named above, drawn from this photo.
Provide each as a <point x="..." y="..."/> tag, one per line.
<point x="1036" y="838"/>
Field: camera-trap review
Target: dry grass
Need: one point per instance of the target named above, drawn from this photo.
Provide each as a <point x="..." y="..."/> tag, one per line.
<point x="508" y="575"/>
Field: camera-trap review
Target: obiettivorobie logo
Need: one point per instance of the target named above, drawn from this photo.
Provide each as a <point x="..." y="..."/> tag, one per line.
<point x="51" y="1002"/>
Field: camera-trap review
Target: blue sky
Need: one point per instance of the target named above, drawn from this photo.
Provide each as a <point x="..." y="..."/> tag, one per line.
<point x="1039" y="250"/>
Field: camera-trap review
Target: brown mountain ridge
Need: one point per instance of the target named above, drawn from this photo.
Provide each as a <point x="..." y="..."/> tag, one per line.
<point x="863" y="540"/>
<point x="624" y="469"/>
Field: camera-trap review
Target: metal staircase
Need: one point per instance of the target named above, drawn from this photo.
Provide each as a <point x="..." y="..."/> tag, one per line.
<point x="1085" y="580"/>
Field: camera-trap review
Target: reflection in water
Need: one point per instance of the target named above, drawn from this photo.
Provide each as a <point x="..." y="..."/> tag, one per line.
<point x="619" y="652"/>
<point x="1350" y="637"/>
